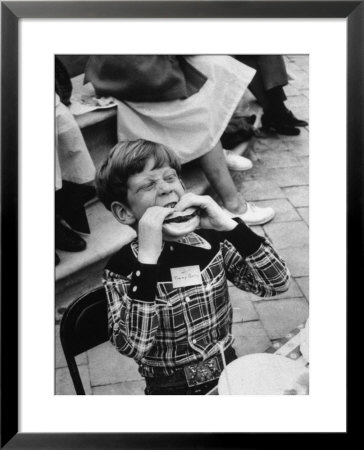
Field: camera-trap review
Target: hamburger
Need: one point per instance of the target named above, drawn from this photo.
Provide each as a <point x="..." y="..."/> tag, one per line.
<point x="180" y="223"/>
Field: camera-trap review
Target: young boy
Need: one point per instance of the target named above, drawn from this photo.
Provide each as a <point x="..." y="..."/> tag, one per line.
<point x="168" y="298"/>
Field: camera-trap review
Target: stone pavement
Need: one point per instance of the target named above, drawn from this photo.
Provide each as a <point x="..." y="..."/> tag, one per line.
<point x="279" y="178"/>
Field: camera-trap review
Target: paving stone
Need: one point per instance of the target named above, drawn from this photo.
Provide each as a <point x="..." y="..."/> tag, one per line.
<point x="107" y="366"/>
<point x="302" y="61"/>
<point x="269" y="143"/>
<point x="288" y="59"/>
<point x="304" y="66"/>
<point x="254" y="328"/>
<point x="246" y="345"/>
<point x="304" y="213"/>
<point x="304" y="284"/>
<point x="300" y="82"/>
<point x="272" y="158"/>
<point x="125" y="388"/>
<point x="250" y="337"/>
<point x="302" y="112"/>
<point x="298" y="148"/>
<point x="282" y="316"/>
<point x="289" y="176"/>
<point x="257" y="173"/>
<point x="285" y="212"/>
<point x="282" y="176"/>
<point x="305" y="161"/>
<point x="303" y="136"/>
<point x="60" y="358"/>
<point x="243" y="310"/>
<point x="64" y="385"/>
<point x="297" y="260"/>
<point x="260" y="190"/>
<point x="259" y="145"/>
<point x="305" y="92"/>
<point x="275" y="142"/>
<point x="291" y="91"/>
<point x="298" y="74"/>
<point x="299" y="101"/>
<point x="298" y="196"/>
<point x="287" y="234"/>
<point x="294" y="69"/>
<point x="252" y="155"/>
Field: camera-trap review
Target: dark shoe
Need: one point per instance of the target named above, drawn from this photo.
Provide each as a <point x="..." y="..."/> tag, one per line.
<point x="68" y="240"/>
<point x="57" y="260"/>
<point x="290" y="119"/>
<point x="277" y="122"/>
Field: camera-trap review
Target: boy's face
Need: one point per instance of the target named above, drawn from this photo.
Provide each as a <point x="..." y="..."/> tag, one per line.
<point x="153" y="187"/>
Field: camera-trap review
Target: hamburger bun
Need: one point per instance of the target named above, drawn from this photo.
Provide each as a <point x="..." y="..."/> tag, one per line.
<point x="180" y="223"/>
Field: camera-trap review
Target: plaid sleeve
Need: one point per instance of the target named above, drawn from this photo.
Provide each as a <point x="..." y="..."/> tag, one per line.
<point x="133" y="322"/>
<point x="264" y="273"/>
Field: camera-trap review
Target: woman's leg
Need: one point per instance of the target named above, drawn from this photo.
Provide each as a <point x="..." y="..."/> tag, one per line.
<point x="213" y="164"/>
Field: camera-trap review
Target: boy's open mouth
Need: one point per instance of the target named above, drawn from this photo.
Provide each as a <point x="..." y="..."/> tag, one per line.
<point x="181" y="216"/>
<point x="170" y="205"/>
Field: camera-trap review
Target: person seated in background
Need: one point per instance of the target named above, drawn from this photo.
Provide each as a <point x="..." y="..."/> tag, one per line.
<point x="184" y="103"/>
<point x="75" y="171"/>
<point x="267" y="86"/>
<point x="167" y="292"/>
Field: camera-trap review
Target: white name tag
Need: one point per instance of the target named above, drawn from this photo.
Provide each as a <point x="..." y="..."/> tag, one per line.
<point x="186" y="276"/>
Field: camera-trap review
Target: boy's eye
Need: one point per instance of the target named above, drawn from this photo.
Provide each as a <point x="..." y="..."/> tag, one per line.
<point x="147" y="187"/>
<point x="170" y="178"/>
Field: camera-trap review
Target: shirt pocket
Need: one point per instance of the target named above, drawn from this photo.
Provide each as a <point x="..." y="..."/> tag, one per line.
<point x="170" y="311"/>
<point x="218" y="290"/>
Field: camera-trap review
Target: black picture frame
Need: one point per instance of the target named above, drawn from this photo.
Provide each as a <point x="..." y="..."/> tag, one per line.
<point x="11" y="12"/>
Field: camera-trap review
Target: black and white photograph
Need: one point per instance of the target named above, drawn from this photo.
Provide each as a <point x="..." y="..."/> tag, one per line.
<point x="181" y="224"/>
<point x="181" y="203"/>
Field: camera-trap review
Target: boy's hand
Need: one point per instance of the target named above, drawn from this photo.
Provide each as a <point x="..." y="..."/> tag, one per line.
<point x="211" y="215"/>
<point x="150" y="234"/>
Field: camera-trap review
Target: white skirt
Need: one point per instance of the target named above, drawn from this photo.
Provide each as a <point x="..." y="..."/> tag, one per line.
<point x="190" y="127"/>
<point x="72" y="159"/>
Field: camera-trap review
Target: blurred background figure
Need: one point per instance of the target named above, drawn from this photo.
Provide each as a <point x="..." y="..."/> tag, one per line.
<point x="74" y="173"/>
<point x="267" y="86"/>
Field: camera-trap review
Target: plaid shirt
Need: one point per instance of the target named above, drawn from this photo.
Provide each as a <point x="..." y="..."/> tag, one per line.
<point x="164" y="327"/>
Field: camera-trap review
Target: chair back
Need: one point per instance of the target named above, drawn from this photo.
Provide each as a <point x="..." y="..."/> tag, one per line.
<point x="84" y="325"/>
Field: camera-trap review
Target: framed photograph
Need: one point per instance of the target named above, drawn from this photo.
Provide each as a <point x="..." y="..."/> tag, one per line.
<point x="298" y="140"/>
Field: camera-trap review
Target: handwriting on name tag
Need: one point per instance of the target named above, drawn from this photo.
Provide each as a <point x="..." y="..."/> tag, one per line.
<point x="186" y="276"/>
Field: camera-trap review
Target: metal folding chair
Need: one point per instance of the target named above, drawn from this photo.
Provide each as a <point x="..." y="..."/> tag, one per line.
<point x="84" y="325"/>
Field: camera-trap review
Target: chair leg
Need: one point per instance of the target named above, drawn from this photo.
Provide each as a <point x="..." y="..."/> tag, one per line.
<point x="75" y="375"/>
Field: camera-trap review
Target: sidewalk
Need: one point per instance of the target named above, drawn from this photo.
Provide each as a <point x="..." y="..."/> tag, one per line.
<point x="279" y="178"/>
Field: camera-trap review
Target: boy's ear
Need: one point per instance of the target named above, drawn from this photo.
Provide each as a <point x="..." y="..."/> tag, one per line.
<point x="122" y="213"/>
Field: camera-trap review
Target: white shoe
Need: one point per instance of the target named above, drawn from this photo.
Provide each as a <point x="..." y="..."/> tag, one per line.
<point x="237" y="162"/>
<point x="254" y="215"/>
